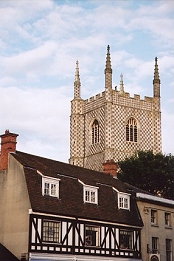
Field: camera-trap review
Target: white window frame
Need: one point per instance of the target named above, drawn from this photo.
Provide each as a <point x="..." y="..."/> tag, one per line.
<point x="123" y="201"/>
<point x="92" y="191"/>
<point x="53" y="187"/>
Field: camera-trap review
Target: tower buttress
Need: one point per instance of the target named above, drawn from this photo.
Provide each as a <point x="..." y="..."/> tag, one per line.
<point x="77" y="83"/>
<point x="108" y="76"/>
<point x="156" y="80"/>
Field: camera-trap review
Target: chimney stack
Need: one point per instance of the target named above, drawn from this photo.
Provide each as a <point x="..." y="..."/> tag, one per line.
<point x="110" y="167"/>
<point x="8" y="144"/>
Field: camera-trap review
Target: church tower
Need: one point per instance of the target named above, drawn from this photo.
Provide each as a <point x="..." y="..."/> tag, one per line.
<point x="113" y="125"/>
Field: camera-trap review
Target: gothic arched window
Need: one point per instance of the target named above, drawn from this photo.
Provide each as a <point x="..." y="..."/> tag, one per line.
<point x="95" y="132"/>
<point x="131" y="130"/>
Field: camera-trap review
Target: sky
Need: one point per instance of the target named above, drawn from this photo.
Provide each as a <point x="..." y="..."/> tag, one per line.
<point x="40" y="41"/>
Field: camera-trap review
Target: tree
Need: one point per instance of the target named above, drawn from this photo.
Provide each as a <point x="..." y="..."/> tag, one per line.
<point x="153" y="173"/>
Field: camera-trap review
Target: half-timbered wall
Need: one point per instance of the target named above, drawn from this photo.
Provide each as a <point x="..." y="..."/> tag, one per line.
<point x="102" y="239"/>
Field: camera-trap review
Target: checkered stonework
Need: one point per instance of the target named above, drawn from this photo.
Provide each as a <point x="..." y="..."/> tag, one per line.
<point x="112" y="110"/>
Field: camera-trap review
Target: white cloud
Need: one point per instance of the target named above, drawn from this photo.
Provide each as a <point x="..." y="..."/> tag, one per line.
<point x="40" y="43"/>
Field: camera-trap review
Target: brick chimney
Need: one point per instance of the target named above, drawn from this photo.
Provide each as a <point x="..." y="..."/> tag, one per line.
<point x="110" y="167"/>
<point x="8" y="144"/>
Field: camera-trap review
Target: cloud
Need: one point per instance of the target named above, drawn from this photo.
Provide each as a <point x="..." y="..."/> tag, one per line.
<point x="38" y="114"/>
<point x="41" y="42"/>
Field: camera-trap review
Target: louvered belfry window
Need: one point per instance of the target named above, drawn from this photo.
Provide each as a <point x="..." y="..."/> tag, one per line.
<point x="95" y="132"/>
<point x="131" y="130"/>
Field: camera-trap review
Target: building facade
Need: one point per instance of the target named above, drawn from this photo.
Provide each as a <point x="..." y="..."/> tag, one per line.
<point x="51" y="210"/>
<point x="157" y="235"/>
<point x="113" y="125"/>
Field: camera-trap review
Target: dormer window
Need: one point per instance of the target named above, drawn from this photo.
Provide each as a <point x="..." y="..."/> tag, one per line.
<point x="90" y="194"/>
<point x="123" y="201"/>
<point x="50" y="187"/>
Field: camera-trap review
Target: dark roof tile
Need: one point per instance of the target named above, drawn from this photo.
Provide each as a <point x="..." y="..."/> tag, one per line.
<point x="71" y="191"/>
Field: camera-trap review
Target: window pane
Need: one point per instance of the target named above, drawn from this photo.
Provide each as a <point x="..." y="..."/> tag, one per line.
<point x="92" y="196"/>
<point x="46" y="188"/>
<point x="126" y="239"/>
<point x="154" y="245"/>
<point x="121" y="202"/>
<point x="51" y="231"/>
<point x="92" y="236"/>
<point x="86" y="195"/>
<point x="153" y="216"/>
<point x="135" y="133"/>
<point x="168" y="250"/>
<point x="95" y="132"/>
<point x="131" y="130"/>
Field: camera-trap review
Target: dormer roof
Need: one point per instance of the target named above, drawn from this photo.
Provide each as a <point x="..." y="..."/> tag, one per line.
<point x="70" y="201"/>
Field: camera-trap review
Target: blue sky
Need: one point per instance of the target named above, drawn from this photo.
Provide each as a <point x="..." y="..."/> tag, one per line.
<point x="40" y="42"/>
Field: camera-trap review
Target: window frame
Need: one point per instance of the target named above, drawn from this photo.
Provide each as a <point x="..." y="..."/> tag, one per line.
<point x="92" y="196"/>
<point x="154" y="217"/>
<point x="48" y="236"/>
<point x="132" y="130"/>
<point x="126" y="239"/>
<point x="95" y="132"/>
<point x="168" y="249"/>
<point x="89" y="237"/>
<point x="155" y="245"/>
<point x="123" y="201"/>
<point x="51" y="185"/>
<point x="167" y="217"/>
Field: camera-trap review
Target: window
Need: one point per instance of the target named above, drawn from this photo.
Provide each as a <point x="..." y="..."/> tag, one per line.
<point x="126" y="239"/>
<point x="92" y="236"/>
<point x="131" y="130"/>
<point x="168" y="250"/>
<point x="50" y="187"/>
<point x="95" y="132"/>
<point x="51" y="231"/>
<point x="90" y="194"/>
<point x="153" y="217"/>
<point x="154" y="245"/>
<point x="123" y="201"/>
<point x="167" y="219"/>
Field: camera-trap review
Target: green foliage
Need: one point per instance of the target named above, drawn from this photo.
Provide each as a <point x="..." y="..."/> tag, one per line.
<point x="153" y="173"/>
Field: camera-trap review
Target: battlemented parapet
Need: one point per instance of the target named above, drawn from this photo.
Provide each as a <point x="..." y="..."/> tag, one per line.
<point x="112" y="124"/>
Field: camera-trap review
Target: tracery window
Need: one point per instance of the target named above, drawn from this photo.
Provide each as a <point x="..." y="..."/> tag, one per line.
<point x="95" y="132"/>
<point x="131" y="130"/>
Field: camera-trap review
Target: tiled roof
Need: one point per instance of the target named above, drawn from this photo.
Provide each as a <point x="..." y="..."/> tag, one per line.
<point x="71" y="191"/>
<point x="6" y="255"/>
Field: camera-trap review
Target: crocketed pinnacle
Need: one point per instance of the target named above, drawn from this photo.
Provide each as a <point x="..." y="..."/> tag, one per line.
<point x="77" y="76"/>
<point x="121" y="83"/>
<point x="77" y="83"/>
<point x="108" y="61"/>
<point x="156" y="73"/>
